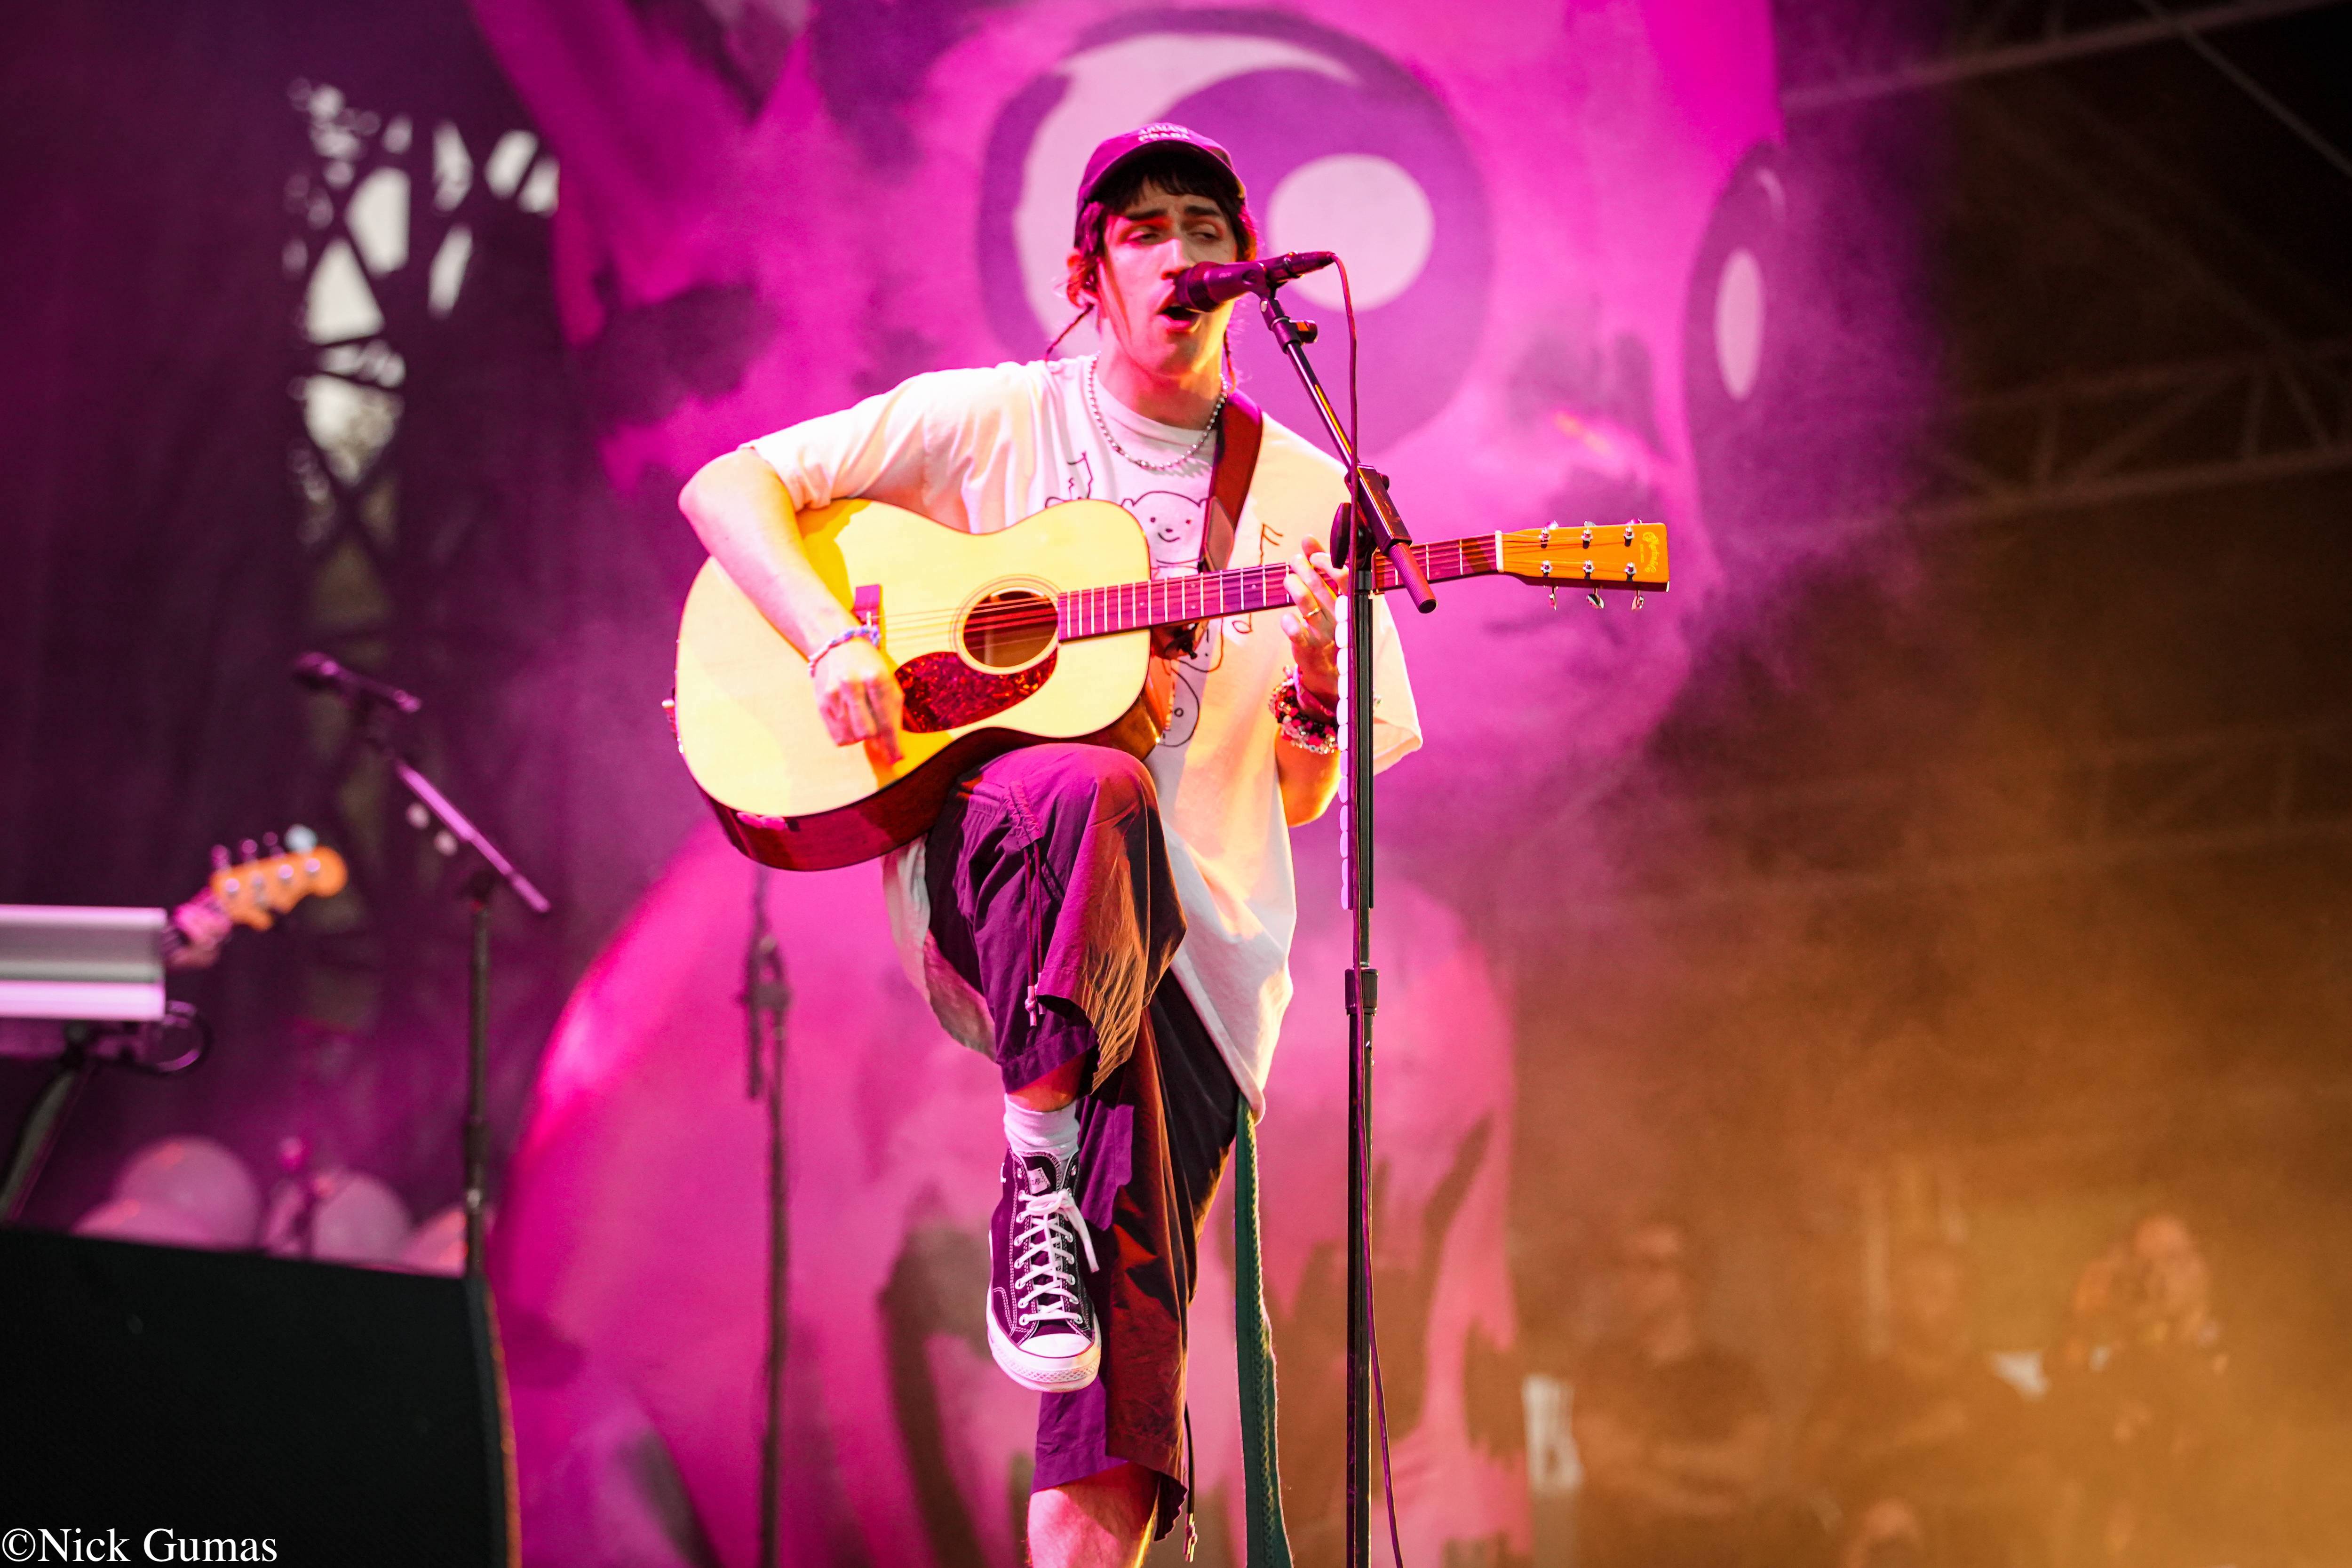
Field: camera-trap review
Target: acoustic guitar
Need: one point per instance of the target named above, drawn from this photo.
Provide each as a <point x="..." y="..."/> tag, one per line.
<point x="1037" y="632"/>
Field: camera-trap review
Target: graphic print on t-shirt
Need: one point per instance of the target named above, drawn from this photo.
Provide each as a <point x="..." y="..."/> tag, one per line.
<point x="1172" y="524"/>
<point x="1171" y="527"/>
<point x="1171" y="521"/>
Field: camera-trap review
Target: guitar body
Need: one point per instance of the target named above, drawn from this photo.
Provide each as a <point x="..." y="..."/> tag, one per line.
<point x="972" y="627"/>
<point x="967" y="620"/>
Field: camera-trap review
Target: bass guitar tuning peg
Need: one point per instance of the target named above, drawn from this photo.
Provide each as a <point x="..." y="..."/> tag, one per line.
<point x="1637" y="598"/>
<point x="1592" y="597"/>
<point x="221" y="861"/>
<point x="1555" y="596"/>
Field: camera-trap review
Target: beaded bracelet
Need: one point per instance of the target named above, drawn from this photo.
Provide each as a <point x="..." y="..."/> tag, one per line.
<point x="871" y="637"/>
<point x="1302" y="727"/>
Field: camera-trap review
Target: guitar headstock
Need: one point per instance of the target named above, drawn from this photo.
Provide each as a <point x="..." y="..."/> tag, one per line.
<point x="1588" y="556"/>
<point x="257" y="890"/>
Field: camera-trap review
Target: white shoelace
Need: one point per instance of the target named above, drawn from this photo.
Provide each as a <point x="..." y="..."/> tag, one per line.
<point x="1044" y="1272"/>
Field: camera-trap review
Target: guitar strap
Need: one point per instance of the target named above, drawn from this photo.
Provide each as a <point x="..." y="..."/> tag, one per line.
<point x="1240" y="429"/>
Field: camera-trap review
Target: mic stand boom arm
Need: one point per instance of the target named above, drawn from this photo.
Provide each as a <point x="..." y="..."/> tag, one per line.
<point x="430" y="807"/>
<point x="1366" y="487"/>
<point x="1367" y="527"/>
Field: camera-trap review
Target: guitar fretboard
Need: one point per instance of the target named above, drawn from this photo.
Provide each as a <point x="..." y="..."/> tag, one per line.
<point x="1243" y="589"/>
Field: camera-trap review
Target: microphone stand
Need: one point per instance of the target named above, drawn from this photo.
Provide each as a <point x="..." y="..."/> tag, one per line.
<point x="430" y="809"/>
<point x="767" y="999"/>
<point x="1368" y="528"/>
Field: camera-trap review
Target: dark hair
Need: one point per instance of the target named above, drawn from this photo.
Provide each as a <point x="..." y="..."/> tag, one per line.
<point x="1175" y="170"/>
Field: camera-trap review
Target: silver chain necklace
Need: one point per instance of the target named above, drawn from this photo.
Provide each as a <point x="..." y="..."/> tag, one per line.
<point x="1189" y="452"/>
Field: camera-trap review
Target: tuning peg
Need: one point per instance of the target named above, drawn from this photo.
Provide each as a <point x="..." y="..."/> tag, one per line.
<point x="271" y="847"/>
<point x="300" y="839"/>
<point x="1592" y="597"/>
<point x="248" y="850"/>
<point x="1637" y="598"/>
<point x="1555" y="596"/>
<point x="418" y="818"/>
<point x="221" y="861"/>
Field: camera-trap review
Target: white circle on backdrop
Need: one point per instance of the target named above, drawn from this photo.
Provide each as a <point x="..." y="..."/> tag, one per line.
<point x="1370" y="210"/>
<point x="1739" y="322"/>
<point x="1113" y="88"/>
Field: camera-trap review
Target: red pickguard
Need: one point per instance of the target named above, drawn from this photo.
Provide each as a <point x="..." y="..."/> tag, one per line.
<point x="944" y="692"/>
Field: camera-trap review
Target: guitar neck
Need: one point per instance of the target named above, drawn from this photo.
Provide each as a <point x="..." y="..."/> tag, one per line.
<point x="1243" y="589"/>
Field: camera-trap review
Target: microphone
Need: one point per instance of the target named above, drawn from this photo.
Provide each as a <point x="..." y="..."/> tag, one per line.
<point x="1209" y="284"/>
<point x="319" y="673"/>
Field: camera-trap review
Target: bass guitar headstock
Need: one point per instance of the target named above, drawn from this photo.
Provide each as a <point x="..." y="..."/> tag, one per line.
<point x="257" y="890"/>
<point x="1588" y="557"/>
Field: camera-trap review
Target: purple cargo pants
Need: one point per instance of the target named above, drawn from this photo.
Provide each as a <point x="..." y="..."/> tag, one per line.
<point x="1051" y="896"/>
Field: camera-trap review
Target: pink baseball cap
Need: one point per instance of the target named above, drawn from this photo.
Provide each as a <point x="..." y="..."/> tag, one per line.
<point x="1116" y="150"/>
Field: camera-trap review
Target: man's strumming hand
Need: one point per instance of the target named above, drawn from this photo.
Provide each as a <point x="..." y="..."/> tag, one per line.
<point x="858" y="697"/>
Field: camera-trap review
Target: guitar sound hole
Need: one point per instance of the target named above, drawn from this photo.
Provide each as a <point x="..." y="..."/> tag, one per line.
<point x="1008" y="629"/>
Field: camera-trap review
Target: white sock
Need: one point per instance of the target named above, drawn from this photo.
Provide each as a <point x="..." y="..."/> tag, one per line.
<point x="1053" y="1133"/>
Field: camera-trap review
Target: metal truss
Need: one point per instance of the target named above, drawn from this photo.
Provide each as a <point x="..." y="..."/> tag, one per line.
<point x="2133" y="435"/>
<point x="2279" y="408"/>
<point x="1840" y="64"/>
<point x="2225" y="791"/>
<point x="397" y="225"/>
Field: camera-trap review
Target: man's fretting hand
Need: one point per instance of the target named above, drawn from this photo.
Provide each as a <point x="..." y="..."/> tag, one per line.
<point x="858" y="697"/>
<point x="203" y="926"/>
<point x="1312" y="622"/>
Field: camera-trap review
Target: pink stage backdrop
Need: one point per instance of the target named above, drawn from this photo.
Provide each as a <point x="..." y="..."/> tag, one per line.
<point x="1561" y="218"/>
<point x="630" y="1252"/>
<point x="1563" y="224"/>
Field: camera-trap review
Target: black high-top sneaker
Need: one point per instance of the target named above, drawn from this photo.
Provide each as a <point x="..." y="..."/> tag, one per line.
<point x="1040" y="1325"/>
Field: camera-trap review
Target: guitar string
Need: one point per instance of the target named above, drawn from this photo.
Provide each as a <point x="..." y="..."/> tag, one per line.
<point x="1158" y="604"/>
<point x="1114" y="608"/>
<point x="1109" y="611"/>
<point x="1120" y="599"/>
<point x="1115" y="601"/>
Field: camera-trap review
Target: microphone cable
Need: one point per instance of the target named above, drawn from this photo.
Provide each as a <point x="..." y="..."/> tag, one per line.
<point x="1371" y="1317"/>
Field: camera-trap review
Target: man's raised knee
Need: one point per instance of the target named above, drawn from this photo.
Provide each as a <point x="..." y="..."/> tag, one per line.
<point x="1104" y="780"/>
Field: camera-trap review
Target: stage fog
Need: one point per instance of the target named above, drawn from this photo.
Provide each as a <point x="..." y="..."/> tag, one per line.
<point x="1940" y="889"/>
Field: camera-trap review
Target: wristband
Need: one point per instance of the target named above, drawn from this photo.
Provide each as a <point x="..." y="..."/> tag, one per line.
<point x="872" y="639"/>
<point x="1308" y="731"/>
<point x="1314" y="706"/>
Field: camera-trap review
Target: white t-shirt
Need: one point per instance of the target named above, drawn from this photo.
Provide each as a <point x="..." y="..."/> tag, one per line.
<point x="981" y="450"/>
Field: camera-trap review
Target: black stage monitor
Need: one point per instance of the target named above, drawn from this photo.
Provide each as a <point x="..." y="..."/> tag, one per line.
<point x="343" y="1416"/>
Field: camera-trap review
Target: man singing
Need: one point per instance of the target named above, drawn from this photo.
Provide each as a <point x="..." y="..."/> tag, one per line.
<point x="1114" y="934"/>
